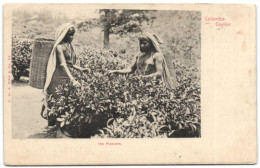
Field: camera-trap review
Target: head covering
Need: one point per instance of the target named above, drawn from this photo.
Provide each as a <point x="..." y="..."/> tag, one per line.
<point x="155" y="40"/>
<point x="169" y="81"/>
<point x="59" y="36"/>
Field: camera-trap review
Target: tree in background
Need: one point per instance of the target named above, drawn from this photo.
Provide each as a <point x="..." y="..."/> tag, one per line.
<point x="192" y="35"/>
<point x="122" y="21"/>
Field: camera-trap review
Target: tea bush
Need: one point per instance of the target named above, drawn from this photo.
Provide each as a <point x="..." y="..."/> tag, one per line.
<point x="126" y="106"/>
<point x="21" y="57"/>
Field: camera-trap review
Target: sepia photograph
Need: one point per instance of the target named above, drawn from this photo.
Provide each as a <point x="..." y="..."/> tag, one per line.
<point x="105" y="73"/>
<point x="129" y="84"/>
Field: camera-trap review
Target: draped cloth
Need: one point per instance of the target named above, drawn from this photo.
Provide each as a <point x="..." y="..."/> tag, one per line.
<point x="51" y="66"/>
<point x="168" y="80"/>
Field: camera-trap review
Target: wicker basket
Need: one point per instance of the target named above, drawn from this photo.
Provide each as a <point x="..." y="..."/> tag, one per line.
<point x="40" y="56"/>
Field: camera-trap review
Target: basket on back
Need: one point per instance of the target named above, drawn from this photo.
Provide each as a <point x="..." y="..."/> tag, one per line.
<point x="40" y="56"/>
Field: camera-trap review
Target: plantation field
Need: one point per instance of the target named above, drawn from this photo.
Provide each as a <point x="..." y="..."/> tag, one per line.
<point x="112" y="106"/>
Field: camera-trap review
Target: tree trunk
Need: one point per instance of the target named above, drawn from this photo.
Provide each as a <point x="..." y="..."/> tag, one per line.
<point x="107" y="27"/>
<point x="106" y="36"/>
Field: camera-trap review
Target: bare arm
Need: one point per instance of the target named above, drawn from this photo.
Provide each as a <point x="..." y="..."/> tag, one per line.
<point x="63" y="61"/>
<point x="125" y="71"/>
<point x="64" y="65"/>
<point x="129" y="70"/>
<point x="78" y="67"/>
<point x="61" y="57"/>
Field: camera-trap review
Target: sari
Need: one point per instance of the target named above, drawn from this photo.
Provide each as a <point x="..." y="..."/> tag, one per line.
<point x="51" y="66"/>
<point x="169" y="81"/>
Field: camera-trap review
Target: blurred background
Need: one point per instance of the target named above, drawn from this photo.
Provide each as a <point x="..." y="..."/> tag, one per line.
<point x="115" y="29"/>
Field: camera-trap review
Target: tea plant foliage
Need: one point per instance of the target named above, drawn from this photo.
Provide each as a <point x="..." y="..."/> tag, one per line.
<point x="126" y="106"/>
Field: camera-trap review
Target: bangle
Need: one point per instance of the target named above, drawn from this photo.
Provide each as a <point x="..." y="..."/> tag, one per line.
<point x="72" y="80"/>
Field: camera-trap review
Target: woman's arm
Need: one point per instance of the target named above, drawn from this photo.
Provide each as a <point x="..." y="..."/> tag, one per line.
<point x="123" y="71"/>
<point x="76" y="66"/>
<point x="64" y="64"/>
<point x="80" y="68"/>
<point x="129" y="70"/>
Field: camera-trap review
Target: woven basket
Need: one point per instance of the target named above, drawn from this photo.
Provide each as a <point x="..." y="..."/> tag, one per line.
<point x="40" y="55"/>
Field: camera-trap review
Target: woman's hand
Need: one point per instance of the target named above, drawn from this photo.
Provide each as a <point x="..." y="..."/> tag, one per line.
<point x="147" y="76"/>
<point x="85" y="70"/>
<point x="112" y="71"/>
<point x="75" y="83"/>
<point x="81" y="69"/>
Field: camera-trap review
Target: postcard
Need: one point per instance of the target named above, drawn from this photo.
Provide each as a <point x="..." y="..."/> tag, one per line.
<point x="129" y="84"/>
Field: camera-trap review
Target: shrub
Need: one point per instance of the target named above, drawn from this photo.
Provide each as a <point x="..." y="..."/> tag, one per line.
<point x="21" y="56"/>
<point x="126" y="106"/>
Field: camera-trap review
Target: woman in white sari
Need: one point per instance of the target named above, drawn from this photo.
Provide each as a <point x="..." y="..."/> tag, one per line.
<point x="61" y="59"/>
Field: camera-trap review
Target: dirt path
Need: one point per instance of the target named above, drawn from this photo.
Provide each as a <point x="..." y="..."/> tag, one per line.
<point x="26" y="106"/>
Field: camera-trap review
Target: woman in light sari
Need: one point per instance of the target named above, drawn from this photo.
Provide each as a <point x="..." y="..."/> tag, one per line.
<point x="150" y="62"/>
<point x="61" y="59"/>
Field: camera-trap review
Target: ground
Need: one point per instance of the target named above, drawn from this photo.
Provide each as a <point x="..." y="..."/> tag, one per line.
<point x="26" y="107"/>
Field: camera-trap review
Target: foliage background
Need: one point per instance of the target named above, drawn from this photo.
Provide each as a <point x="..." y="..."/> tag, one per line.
<point x="180" y="31"/>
